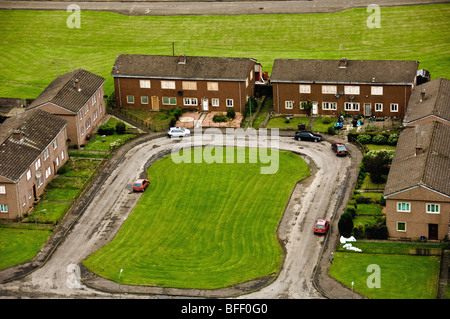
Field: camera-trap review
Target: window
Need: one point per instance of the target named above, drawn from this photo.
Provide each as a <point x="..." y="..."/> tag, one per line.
<point x="3" y="208"/>
<point x="55" y="144"/>
<point x="82" y="131"/>
<point x="433" y="208"/>
<point x="351" y="106"/>
<point x="24" y="201"/>
<point x="39" y="182"/>
<point x="229" y="102"/>
<point x="394" y="107"/>
<point x="81" y="115"/>
<point x="401" y="226"/>
<point x="2" y="189"/>
<point x="305" y="88"/>
<point x="329" y="105"/>
<point x="189" y="85"/>
<point x="169" y="100"/>
<point x="62" y="155"/>
<point x="130" y="99"/>
<point x="251" y="75"/>
<point x="37" y="164"/>
<point x="144" y="84"/>
<point x="94" y="115"/>
<point x="28" y="174"/>
<point x="329" y="89"/>
<point x="88" y="124"/>
<point x="100" y="109"/>
<point x="246" y="82"/>
<point x="404" y="207"/>
<point x="29" y="193"/>
<point x="350" y="89"/>
<point x="190" y="101"/>
<point x="167" y="84"/>
<point x="288" y="104"/>
<point x="378" y="107"/>
<point x="376" y="90"/>
<point x="46" y="154"/>
<point x="86" y="109"/>
<point x="57" y="161"/>
<point x="93" y="100"/>
<point x="48" y="172"/>
<point x="213" y="86"/>
<point x="144" y="99"/>
<point x="215" y="102"/>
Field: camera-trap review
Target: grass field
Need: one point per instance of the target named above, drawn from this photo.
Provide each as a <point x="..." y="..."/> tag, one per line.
<point x="37" y="46"/>
<point x="202" y="225"/>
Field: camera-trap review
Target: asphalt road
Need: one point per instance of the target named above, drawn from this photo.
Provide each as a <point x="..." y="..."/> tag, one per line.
<point x="313" y="198"/>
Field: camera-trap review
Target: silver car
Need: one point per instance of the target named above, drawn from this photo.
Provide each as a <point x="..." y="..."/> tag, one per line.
<point x="178" y="132"/>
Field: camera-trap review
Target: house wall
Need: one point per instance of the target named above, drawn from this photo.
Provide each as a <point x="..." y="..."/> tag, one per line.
<point x="227" y="90"/>
<point x="418" y="219"/>
<point x="392" y="94"/>
<point x="20" y="195"/>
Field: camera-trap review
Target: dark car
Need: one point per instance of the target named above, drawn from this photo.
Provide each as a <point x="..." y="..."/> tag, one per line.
<point x="307" y="136"/>
<point x="339" y="149"/>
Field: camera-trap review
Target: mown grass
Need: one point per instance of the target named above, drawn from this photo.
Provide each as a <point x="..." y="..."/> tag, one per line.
<point x="202" y="225"/>
<point x="292" y="124"/>
<point x="37" y="46"/>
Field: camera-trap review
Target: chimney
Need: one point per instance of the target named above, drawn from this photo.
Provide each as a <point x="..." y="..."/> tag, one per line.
<point x="419" y="149"/>
<point x="422" y="95"/>
<point x="17" y="135"/>
<point x="182" y="59"/>
<point x="77" y="85"/>
<point x="343" y="63"/>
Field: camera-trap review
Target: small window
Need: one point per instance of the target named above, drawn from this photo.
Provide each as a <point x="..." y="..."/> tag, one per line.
<point x="404" y="207"/>
<point x="329" y="105"/>
<point x="351" y="106"/>
<point x="144" y="84"/>
<point x="215" y="102"/>
<point x="2" y="189"/>
<point x="37" y="164"/>
<point x="378" y="107"/>
<point x="305" y="88"/>
<point x="394" y="107"/>
<point x="350" y="89"/>
<point x="376" y="90"/>
<point x="55" y="144"/>
<point x="93" y="100"/>
<point x="46" y="154"/>
<point x="329" y="89"/>
<point x="29" y="193"/>
<point x="86" y="109"/>
<point x="169" y="100"/>
<point x="229" y="102"/>
<point x="28" y="175"/>
<point x="401" y="226"/>
<point x="167" y="84"/>
<point x="213" y="86"/>
<point x="62" y="155"/>
<point x="130" y="99"/>
<point x="288" y="105"/>
<point x="24" y="201"/>
<point x="189" y="85"/>
<point x="190" y="101"/>
<point x="144" y="99"/>
<point x="433" y="208"/>
<point x="3" y="208"/>
<point x="88" y="124"/>
<point x="81" y="115"/>
<point x="57" y="161"/>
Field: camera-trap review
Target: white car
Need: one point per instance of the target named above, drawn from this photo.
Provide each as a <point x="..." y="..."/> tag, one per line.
<point x="178" y="132"/>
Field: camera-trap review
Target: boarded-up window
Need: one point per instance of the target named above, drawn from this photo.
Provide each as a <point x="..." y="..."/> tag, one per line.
<point x="189" y="85"/>
<point x="144" y="84"/>
<point x="213" y="86"/>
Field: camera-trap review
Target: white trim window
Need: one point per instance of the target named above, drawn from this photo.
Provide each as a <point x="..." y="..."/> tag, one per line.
<point x="229" y="102"/>
<point x="351" y="89"/>
<point x="86" y="109"/>
<point x="212" y="86"/>
<point x="215" y="102"/>
<point x="350" y="106"/>
<point x="2" y="189"/>
<point x="190" y="101"/>
<point x="144" y="99"/>
<point x="3" y="208"/>
<point x="57" y="161"/>
<point x="403" y="207"/>
<point x="28" y="174"/>
<point x="329" y="89"/>
<point x="376" y="90"/>
<point x="401" y="226"/>
<point x="169" y="100"/>
<point x="394" y="107"/>
<point x="39" y="182"/>
<point x="305" y="88"/>
<point x="29" y="193"/>
<point x="88" y="124"/>
<point x="55" y="144"/>
<point x="46" y="154"/>
<point x="329" y="105"/>
<point x="378" y="107"/>
<point x="62" y="155"/>
<point x="433" y="208"/>
<point x="130" y="99"/>
<point x="94" y="100"/>
<point x="189" y="85"/>
<point x="288" y="105"/>
<point x="168" y="85"/>
<point x="144" y="84"/>
<point x="81" y="115"/>
<point x="37" y="164"/>
<point x="95" y="115"/>
<point x="48" y="172"/>
<point x="24" y="201"/>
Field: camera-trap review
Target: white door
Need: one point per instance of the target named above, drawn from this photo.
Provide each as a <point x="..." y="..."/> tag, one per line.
<point x="314" y="108"/>
<point x="205" y="104"/>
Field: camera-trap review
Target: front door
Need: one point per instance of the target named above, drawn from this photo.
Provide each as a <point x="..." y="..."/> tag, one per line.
<point x="367" y="109"/>
<point x="433" y="231"/>
<point x="314" y="108"/>
<point x="205" y="104"/>
<point x="155" y="103"/>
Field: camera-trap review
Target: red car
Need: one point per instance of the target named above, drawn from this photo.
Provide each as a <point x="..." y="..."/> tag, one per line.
<point x="322" y="226"/>
<point x="339" y="149"/>
<point x="140" y="185"/>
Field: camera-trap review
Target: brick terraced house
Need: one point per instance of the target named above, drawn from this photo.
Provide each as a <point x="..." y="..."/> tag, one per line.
<point x="32" y="148"/>
<point x="194" y="83"/>
<point x="367" y="88"/>
<point x="76" y="97"/>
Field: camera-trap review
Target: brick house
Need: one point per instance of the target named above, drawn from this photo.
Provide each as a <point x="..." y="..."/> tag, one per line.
<point x="417" y="191"/>
<point x="194" y="83"/>
<point x="367" y="88"/>
<point x="429" y="101"/>
<point x="32" y="148"/>
<point x="76" y="97"/>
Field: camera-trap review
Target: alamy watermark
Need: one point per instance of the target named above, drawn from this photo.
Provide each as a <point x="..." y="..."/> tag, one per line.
<point x="74" y="20"/>
<point x="214" y="146"/>
<point x="374" y="20"/>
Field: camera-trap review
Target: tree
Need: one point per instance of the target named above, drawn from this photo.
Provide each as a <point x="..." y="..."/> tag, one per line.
<point x="345" y="224"/>
<point x="377" y="164"/>
<point x="120" y="127"/>
<point x="307" y="106"/>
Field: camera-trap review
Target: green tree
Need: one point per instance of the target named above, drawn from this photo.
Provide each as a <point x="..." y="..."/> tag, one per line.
<point x="345" y="224"/>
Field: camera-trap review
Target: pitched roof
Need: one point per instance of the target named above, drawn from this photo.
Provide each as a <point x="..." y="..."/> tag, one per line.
<point x="168" y="67"/>
<point x="354" y="72"/>
<point x="38" y="129"/>
<point x="436" y="101"/>
<point x="62" y="90"/>
<point x="431" y="168"/>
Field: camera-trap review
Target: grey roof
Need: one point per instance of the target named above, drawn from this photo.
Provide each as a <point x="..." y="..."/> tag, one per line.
<point x="167" y="67"/>
<point x="356" y="71"/>
<point x="430" y="169"/>
<point x="435" y="103"/>
<point x="38" y="128"/>
<point x="62" y="91"/>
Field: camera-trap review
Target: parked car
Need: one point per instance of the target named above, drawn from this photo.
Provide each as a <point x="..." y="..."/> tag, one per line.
<point x="339" y="149"/>
<point x="322" y="226"/>
<point x="307" y="136"/>
<point x="178" y="132"/>
<point x="140" y="185"/>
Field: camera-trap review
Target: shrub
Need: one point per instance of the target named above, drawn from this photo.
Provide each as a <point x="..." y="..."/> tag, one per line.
<point x="392" y="139"/>
<point x="345" y="224"/>
<point x="364" y="139"/>
<point x="353" y="203"/>
<point x="360" y="199"/>
<point x="379" y="139"/>
<point x="326" y="120"/>
<point x="376" y="231"/>
<point x="177" y="112"/>
<point x="173" y="122"/>
<point x="106" y="129"/>
<point x="219" y="118"/>
<point x="231" y="114"/>
<point x="350" y="209"/>
<point x="254" y="105"/>
<point x="287" y="121"/>
<point x="63" y="169"/>
<point x="120" y="127"/>
<point x="331" y="130"/>
<point x="358" y="231"/>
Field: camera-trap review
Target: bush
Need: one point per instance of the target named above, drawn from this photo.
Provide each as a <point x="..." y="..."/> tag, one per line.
<point x="63" y="169"/>
<point x="177" y="112"/>
<point x="120" y="127"/>
<point x="219" y="118"/>
<point x="350" y="209"/>
<point x="376" y="231"/>
<point x="379" y="139"/>
<point x="345" y="224"/>
<point x="364" y="139"/>
<point x="106" y="129"/>
<point x="331" y="130"/>
<point x="353" y="203"/>
<point x="392" y="139"/>
<point x="254" y="105"/>
<point x="360" y="199"/>
<point x="358" y="231"/>
<point x="326" y="120"/>
<point x="231" y="114"/>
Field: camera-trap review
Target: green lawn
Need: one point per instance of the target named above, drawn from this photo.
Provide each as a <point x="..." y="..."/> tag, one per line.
<point x="401" y="276"/>
<point x="103" y="143"/>
<point x="37" y="46"/>
<point x="280" y="122"/>
<point x="320" y="126"/>
<point x="19" y="245"/>
<point x="373" y="147"/>
<point x="202" y="225"/>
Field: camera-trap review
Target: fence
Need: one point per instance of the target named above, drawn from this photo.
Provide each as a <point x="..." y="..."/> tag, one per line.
<point x="138" y="122"/>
